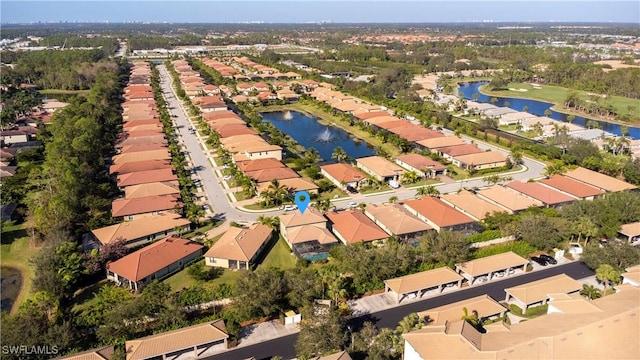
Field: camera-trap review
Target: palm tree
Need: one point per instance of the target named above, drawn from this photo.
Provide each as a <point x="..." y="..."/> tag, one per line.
<point x="428" y="190"/>
<point x="410" y="322"/>
<point x="393" y="199"/>
<point x="248" y="185"/>
<point x="272" y="222"/>
<point x="606" y="273"/>
<point x="590" y="292"/>
<point x="277" y="191"/>
<point x="323" y="205"/>
<point x="339" y="154"/>
<point x="571" y="118"/>
<point x="555" y="169"/>
<point x="472" y="318"/>
<point x="311" y="155"/>
<point x="410" y="177"/>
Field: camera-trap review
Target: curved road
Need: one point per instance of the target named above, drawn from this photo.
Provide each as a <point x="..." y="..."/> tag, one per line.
<point x="284" y="346"/>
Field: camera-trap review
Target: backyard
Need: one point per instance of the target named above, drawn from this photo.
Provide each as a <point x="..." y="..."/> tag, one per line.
<point x="15" y="252"/>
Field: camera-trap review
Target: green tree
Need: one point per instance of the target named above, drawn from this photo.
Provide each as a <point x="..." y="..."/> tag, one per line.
<point x="410" y="177"/>
<point x="547" y="112"/>
<point x="590" y="292"/>
<point x="542" y="232"/>
<point x="339" y="154"/>
<point x="321" y="334"/>
<point x="447" y="247"/>
<point x="631" y="171"/>
<point x="260" y="293"/>
<point x="607" y="275"/>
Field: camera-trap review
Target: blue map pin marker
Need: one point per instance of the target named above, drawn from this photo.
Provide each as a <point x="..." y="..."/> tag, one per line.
<point x="302" y="200"/>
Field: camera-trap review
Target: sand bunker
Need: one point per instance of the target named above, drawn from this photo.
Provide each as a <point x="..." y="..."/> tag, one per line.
<point x="519" y="89"/>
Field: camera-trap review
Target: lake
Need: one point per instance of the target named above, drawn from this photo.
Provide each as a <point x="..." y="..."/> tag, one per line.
<point x="538" y="107"/>
<point x="308" y="132"/>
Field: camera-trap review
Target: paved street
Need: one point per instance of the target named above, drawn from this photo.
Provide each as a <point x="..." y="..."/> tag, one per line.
<point x="204" y="169"/>
<point x="284" y="346"/>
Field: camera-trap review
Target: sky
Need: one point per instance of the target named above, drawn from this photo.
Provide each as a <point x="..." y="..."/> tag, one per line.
<point x="300" y="11"/>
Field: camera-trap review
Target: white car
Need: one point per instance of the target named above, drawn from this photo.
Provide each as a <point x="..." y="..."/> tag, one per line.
<point x="352" y="204"/>
<point x="227" y="177"/>
<point x="290" y="207"/>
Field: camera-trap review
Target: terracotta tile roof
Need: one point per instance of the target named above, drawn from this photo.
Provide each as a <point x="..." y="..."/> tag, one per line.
<point x="484" y="305"/>
<point x="387" y="125"/>
<point x="442" y="141"/>
<point x="259" y="164"/>
<point x="420" y="162"/>
<point x="143" y="205"/>
<point x="377" y="120"/>
<point x="234" y="129"/>
<point x="162" y="154"/>
<point x="137" y="166"/>
<point x="134" y="123"/>
<point x="311" y="216"/>
<point x="601" y="181"/>
<point x="134" y="128"/>
<point x="151" y="189"/>
<point x="311" y="233"/>
<point x="139" y="228"/>
<point x="238" y="140"/>
<point x="220" y="115"/>
<point x="266" y="175"/>
<point x="459" y="150"/>
<point x="438" y="212"/>
<point x="423" y="280"/>
<point x="342" y="355"/>
<point x="571" y="187"/>
<point x="216" y="124"/>
<point x="180" y="339"/>
<point x="152" y="258"/>
<point x="539" y="290"/>
<point x="396" y="219"/>
<point x="141" y="140"/>
<point x="144" y="177"/>
<point x="414" y="132"/>
<point x="343" y="172"/>
<point x="482" y="158"/>
<point x="260" y="146"/>
<point x="380" y="166"/>
<point x="508" y="198"/>
<point x="240" y="244"/>
<point x="142" y="147"/>
<point x="354" y="226"/>
<point x="471" y="204"/>
<point x="293" y="184"/>
<point x="364" y="115"/>
<point x="547" y="196"/>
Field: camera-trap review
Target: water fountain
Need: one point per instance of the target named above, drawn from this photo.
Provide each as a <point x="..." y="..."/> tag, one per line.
<point x="325" y="136"/>
<point x="287" y="115"/>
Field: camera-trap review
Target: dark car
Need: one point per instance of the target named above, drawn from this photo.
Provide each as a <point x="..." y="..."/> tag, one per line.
<point x="548" y="259"/>
<point x="540" y="261"/>
<point x="352" y="190"/>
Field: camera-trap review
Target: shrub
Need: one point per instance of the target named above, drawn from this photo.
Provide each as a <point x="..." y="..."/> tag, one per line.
<point x="519" y="247"/>
<point x="485" y="236"/>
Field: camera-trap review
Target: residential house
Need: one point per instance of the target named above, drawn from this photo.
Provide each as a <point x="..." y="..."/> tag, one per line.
<point x="152" y="189"/>
<point x="352" y="226"/>
<point x="259" y="164"/>
<point x="510" y="200"/>
<point x="137" y="166"/>
<point x="307" y="234"/>
<point x="343" y="175"/>
<point x="441" y="216"/>
<point x="229" y="130"/>
<point x="471" y="205"/>
<point x="480" y="161"/>
<point x="485" y="307"/>
<point x="515" y="118"/>
<point x="574" y="188"/>
<point x="162" y="154"/>
<point x="153" y="262"/>
<point x="598" y="180"/>
<point x="293" y="185"/>
<point x="136" y="208"/>
<point x="421" y="165"/>
<point x="498" y="112"/>
<point x="433" y="144"/>
<point x="145" y="177"/>
<point x="380" y="168"/>
<point x="53" y="105"/>
<point x="141" y="231"/>
<point x="451" y="152"/>
<point x="192" y="342"/>
<point x="239" y="248"/>
<point x="546" y="195"/>
<point x="267" y="175"/>
<point x="397" y="221"/>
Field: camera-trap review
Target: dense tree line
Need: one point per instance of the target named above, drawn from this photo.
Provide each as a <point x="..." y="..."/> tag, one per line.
<point x="56" y="69"/>
<point x="108" y="45"/>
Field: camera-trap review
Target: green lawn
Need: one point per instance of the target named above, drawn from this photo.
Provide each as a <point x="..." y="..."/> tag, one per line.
<point x="64" y="92"/>
<point x="279" y="256"/>
<point x="181" y="279"/>
<point x="15" y="252"/>
<point x="557" y="95"/>
<point x="332" y="194"/>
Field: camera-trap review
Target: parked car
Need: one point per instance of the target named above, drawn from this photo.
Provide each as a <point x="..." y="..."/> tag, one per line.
<point x="548" y="259"/>
<point x="500" y="273"/>
<point x="539" y="261"/>
<point x="352" y="204"/>
<point x="352" y="190"/>
<point x="289" y="207"/>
